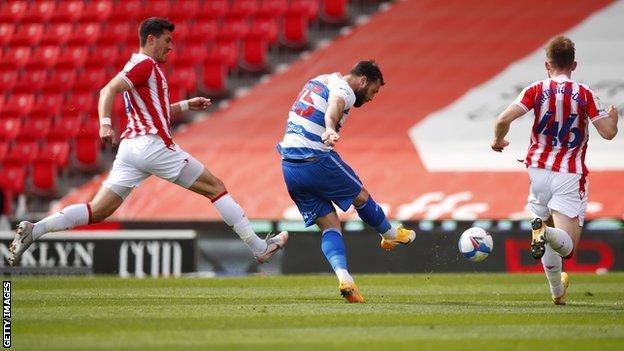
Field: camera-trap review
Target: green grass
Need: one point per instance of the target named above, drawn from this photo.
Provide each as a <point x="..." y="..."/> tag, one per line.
<point x="403" y="312"/>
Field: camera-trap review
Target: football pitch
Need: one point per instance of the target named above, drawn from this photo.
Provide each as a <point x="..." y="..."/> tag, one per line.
<point x="305" y="312"/>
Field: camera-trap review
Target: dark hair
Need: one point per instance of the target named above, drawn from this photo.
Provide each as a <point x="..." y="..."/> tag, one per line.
<point x="560" y="52"/>
<point x="154" y="26"/>
<point x="368" y="69"/>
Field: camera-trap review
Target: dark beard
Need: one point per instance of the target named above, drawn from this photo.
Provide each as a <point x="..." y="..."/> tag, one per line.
<point x="359" y="98"/>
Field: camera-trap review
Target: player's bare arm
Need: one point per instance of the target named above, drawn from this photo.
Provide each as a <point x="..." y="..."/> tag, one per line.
<point x="501" y="128"/>
<point x="607" y="127"/>
<point x="195" y="104"/>
<point x="105" y="107"/>
<point x="335" y="107"/>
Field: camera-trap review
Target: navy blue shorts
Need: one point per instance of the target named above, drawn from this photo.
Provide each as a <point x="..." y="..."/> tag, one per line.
<point x="314" y="185"/>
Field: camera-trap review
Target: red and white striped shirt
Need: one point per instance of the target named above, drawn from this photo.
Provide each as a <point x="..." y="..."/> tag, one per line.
<point x="559" y="135"/>
<point x="147" y="102"/>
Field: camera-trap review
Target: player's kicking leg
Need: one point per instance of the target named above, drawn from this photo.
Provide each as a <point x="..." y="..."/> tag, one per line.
<point x="372" y="214"/>
<point x="233" y="215"/>
<point x="558" y="243"/>
<point x="102" y="206"/>
<point x="333" y="248"/>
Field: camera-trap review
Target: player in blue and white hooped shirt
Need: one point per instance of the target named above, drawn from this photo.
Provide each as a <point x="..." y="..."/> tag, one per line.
<point x="316" y="176"/>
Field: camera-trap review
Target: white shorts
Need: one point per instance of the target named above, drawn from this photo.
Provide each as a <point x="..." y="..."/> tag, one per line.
<point x="144" y="155"/>
<point x="565" y="193"/>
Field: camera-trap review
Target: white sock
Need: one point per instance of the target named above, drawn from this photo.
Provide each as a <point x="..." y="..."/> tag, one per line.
<point x="559" y="241"/>
<point x="343" y="275"/>
<point x="552" y="267"/>
<point x="390" y="234"/>
<point x="69" y="217"/>
<point x="234" y="216"/>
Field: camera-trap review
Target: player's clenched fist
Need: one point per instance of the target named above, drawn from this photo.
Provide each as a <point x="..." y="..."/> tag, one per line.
<point x="199" y="103"/>
<point x="330" y="137"/>
<point x="107" y="134"/>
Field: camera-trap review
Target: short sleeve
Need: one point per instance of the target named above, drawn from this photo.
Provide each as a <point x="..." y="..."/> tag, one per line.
<point x="526" y="99"/>
<point x="139" y="73"/>
<point x="595" y="110"/>
<point x="345" y="92"/>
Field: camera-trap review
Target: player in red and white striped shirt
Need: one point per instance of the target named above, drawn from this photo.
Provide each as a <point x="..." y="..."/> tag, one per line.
<point x="563" y="109"/>
<point x="146" y="149"/>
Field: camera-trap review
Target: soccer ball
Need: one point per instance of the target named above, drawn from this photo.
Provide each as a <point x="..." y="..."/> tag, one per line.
<point x="475" y="244"/>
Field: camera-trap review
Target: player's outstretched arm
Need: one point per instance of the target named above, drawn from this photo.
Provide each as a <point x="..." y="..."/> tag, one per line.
<point x="105" y="107"/>
<point x="501" y="128"/>
<point x="607" y="127"/>
<point x="195" y="104"/>
<point x="335" y="107"/>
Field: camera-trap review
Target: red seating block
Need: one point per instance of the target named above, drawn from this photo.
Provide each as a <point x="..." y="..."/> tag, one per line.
<point x="48" y="104"/>
<point x="253" y="55"/>
<point x="85" y="34"/>
<point x="65" y="128"/>
<point x="202" y="31"/>
<point x="267" y="26"/>
<point x="15" y="58"/>
<point x="56" y="34"/>
<point x="154" y="8"/>
<point x="213" y="9"/>
<point x="91" y="80"/>
<point x="183" y="77"/>
<point x="309" y="7"/>
<point x="244" y="8"/>
<point x="13" y="11"/>
<point x="9" y="128"/>
<point x="44" y="172"/>
<point x="28" y="34"/>
<point x="6" y="33"/>
<point x="82" y="101"/>
<point x="234" y="25"/>
<point x="61" y="81"/>
<point x="215" y="75"/>
<point x="97" y="11"/>
<point x="8" y="80"/>
<point x="31" y="81"/>
<point x="117" y="32"/>
<point x="183" y="10"/>
<point x="44" y="57"/>
<point x="87" y="143"/>
<point x="40" y="11"/>
<point x="35" y="128"/>
<point x="128" y="10"/>
<point x="68" y="11"/>
<point x="19" y="104"/>
<point x="273" y="8"/>
<point x="226" y="47"/>
<point x="15" y="177"/>
<point x="334" y="11"/>
<point x="73" y="57"/>
<point x="294" y="29"/>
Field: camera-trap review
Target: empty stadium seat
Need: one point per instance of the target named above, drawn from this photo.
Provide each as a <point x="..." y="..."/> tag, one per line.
<point x="334" y="11"/>
<point x="15" y="58"/>
<point x="202" y="32"/>
<point x="154" y="8"/>
<point x="49" y="104"/>
<point x="183" y="10"/>
<point x="97" y="11"/>
<point x="8" y="79"/>
<point x="40" y="11"/>
<point x="309" y="7"/>
<point x="9" y="128"/>
<point x="31" y="81"/>
<point x="253" y="54"/>
<point x="127" y="11"/>
<point x="6" y="33"/>
<point x="85" y="34"/>
<point x="15" y="176"/>
<point x="192" y="54"/>
<point x="65" y="128"/>
<point x="44" y="173"/>
<point x="214" y="9"/>
<point x="91" y="80"/>
<point x="27" y="34"/>
<point x="36" y="128"/>
<point x="82" y="101"/>
<point x="60" y="152"/>
<point x="87" y="145"/>
<point x="62" y="80"/>
<point x="13" y="11"/>
<point x="19" y="104"/>
<point x="244" y="8"/>
<point x="73" y="57"/>
<point x="68" y="11"/>
<point x="184" y="77"/>
<point x="56" y="34"/>
<point x="267" y="25"/>
<point x="294" y="29"/>
<point x="215" y="75"/>
<point x="117" y="32"/>
<point x="274" y="8"/>
<point x="44" y="57"/>
<point x="226" y="47"/>
<point x="234" y="25"/>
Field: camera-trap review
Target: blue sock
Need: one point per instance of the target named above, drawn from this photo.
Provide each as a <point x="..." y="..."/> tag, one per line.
<point x="373" y="215"/>
<point x="334" y="249"/>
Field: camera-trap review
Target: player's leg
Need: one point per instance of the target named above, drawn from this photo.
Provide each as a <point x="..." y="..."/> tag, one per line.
<point x="372" y="214"/>
<point x="334" y="250"/>
<point x="198" y="179"/>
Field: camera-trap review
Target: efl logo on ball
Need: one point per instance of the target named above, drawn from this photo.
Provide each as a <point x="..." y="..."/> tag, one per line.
<point x="475" y="244"/>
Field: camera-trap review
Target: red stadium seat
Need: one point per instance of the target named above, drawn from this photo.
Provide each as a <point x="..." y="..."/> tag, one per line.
<point x="245" y="8"/>
<point x="6" y="33"/>
<point x="117" y="32"/>
<point x="68" y="11"/>
<point x="8" y="79"/>
<point x="91" y="80"/>
<point x="334" y="11"/>
<point x="9" y="128"/>
<point x="154" y="8"/>
<point x="294" y="29"/>
<point x="202" y="32"/>
<point x="215" y="75"/>
<point x="183" y="10"/>
<point x="191" y="55"/>
<point x="127" y="11"/>
<point x="274" y="8"/>
<point x="13" y="11"/>
<point x="214" y="9"/>
<point x="31" y="81"/>
<point x="44" y="173"/>
<point x="15" y="176"/>
<point x="97" y="11"/>
<point x="182" y="30"/>
<point x="253" y="55"/>
<point x="44" y="57"/>
<point x="61" y="81"/>
<point x="234" y="25"/>
<point x="73" y="57"/>
<point x="40" y="11"/>
<point x="85" y="34"/>
<point x="28" y="34"/>
<point x="82" y="101"/>
<point x="87" y="146"/>
<point x="60" y="152"/>
<point x="15" y="58"/>
<point x="267" y="26"/>
<point x="50" y="104"/>
<point x="65" y="128"/>
<point x="183" y="77"/>
<point x="309" y="7"/>
<point x="4" y="149"/>
<point x="22" y="153"/>
<point x="104" y="55"/>
<point x="19" y="104"/>
<point x="226" y="47"/>
<point x="56" y="34"/>
<point x="36" y="128"/>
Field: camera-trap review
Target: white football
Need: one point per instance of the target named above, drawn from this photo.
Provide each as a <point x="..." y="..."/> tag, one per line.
<point x="475" y="244"/>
